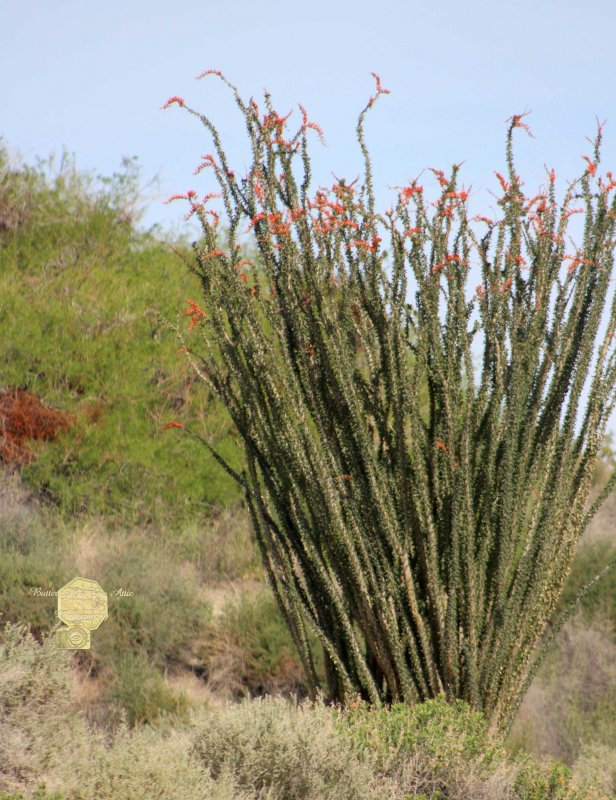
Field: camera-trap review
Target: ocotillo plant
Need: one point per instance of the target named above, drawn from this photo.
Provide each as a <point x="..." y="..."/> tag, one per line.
<point x="426" y="551"/>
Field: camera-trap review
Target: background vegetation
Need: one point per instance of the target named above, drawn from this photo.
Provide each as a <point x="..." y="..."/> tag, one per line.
<point x="84" y="296"/>
<point x="114" y="496"/>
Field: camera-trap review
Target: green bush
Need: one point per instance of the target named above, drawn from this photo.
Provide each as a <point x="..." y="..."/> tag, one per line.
<point x="44" y="742"/>
<point x="549" y="781"/>
<point x="140" y="691"/>
<point x="252" y="635"/>
<point x="447" y="735"/>
<point x="268" y="748"/>
<point x="165" y="614"/>
<point x="146" y="763"/>
<point x="20" y="575"/>
<point x="443" y="742"/>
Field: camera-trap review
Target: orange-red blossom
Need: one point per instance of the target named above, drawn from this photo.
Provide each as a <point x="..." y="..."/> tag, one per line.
<point x="366" y="245"/>
<point x="173" y="100"/>
<point x="195" y="313"/>
<point x="453" y="257"/>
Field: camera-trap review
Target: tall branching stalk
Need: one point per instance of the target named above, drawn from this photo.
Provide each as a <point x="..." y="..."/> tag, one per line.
<point x="425" y="548"/>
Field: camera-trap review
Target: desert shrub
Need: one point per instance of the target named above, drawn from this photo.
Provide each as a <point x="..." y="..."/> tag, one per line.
<point x="550" y="780"/>
<point x="32" y="555"/>
<point x="145" y="763"/>
<point x="47" y="752"/>
<point x="250" y="651"/>
<point x="139" y="690"/>
<point x="22" y="573"/>
<point x="164" y="616"/>
<point x="24" y="417"/>
<point x="37" y="719"/>
<point x="596" y="763"/>
<point x="165" y="613"/>
<point x="269" y="749"/>
<point x="446" y="735"/>
<point x="163" y="623"/>
<point x="429" y="753"/>
<point x="438" y="749"/>
<point x="290" y="750"/>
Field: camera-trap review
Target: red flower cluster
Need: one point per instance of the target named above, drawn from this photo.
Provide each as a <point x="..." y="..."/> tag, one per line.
<point x="592" y="167"/>
<point x="208" y="161"/>
<point x="504" y="184"/>
<point x="452" y="258"/>
<point x="441" y="176"/>
<point x="408" y="191"/>
<point x="278" y="227"/>
<point x="195" y="313"/>
<point x="171" y="101"/>
<point x="331" y="214"/>
<point x="371" y="246"/>
<point x="462" y="195"/>
<point x="612" y="183"/>
<point x="517" y="124"/>
<point x="576" y="261"/>
<point x="519" y="261"/>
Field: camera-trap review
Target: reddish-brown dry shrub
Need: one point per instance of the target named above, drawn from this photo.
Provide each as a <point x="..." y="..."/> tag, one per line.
<point x="24" y="417"/>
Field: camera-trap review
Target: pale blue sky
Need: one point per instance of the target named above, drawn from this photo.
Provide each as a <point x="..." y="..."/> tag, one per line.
<point x="92" y="78"/>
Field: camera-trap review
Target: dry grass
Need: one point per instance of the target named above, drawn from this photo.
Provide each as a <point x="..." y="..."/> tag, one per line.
<point x="223" y="547"/>
<point x="570" y="709"/>
<point x="603" y="526"/>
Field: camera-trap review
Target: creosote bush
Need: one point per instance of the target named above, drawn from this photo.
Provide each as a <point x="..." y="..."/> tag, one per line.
<point x="426" y="551"/>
